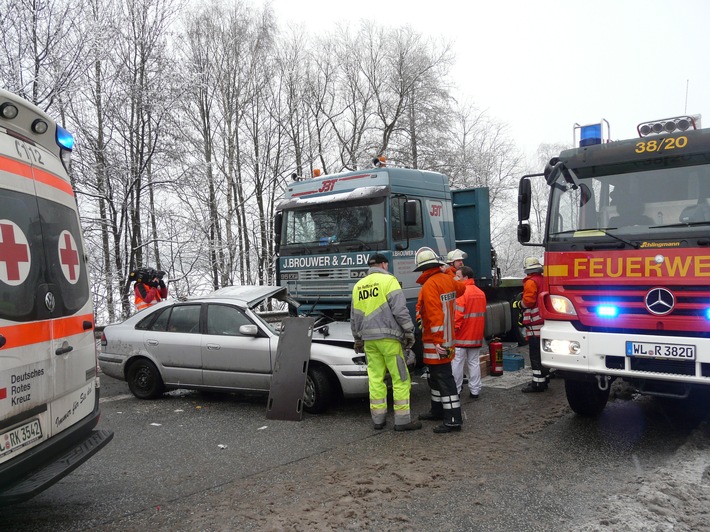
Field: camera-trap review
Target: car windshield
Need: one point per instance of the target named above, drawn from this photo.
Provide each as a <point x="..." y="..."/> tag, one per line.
<point x="652" y="203"/>
<point x="327" y="224"/>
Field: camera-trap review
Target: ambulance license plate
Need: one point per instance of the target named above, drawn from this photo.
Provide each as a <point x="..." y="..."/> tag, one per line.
<point x="20" y="436"/>
<point x="668" y="351"/>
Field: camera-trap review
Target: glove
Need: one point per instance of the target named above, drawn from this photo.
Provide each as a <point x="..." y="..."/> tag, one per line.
<point x="359" y="346"/>
<point x="517" y="304"/>
<point x="410" y="357"/>
<point x="419" y="322"/>
<point x="408" y="342"/>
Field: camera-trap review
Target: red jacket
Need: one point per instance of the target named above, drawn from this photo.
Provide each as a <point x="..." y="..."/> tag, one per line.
<point x="532" y="321"/>
<point x="470" y="316"/>
<point x="437" y="308"/>
<point x="147" y="295"/>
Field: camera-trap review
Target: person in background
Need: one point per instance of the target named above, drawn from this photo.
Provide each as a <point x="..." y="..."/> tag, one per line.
<point x="382" y="326"/>
<point x="455" y="260"/>
<point x="469" y="325"/>
<point x="532" y="322"/>
<point x="437" y="309"/>
<point x="149" y="288"/>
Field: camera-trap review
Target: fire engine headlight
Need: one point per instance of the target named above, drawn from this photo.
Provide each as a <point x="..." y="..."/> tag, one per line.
<point x="562" y="305"/>
<point x="565" y="347"/>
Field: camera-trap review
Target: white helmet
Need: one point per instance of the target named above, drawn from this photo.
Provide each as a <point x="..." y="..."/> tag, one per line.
<point x="426" y="258"/>
<point x="456" y="254"/>
<point x="532" y="264"/>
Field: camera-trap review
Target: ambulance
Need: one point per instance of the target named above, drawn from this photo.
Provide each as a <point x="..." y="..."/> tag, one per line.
<point x="49" y="387"/>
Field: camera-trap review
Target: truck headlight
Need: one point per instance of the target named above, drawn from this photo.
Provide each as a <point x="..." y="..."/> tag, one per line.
<point x="566" y="347"/>
<point x="562" y="305"/>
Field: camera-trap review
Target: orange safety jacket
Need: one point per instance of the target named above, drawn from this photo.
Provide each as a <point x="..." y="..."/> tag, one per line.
<point x="437" y="308"/>
<point x="146" y="295"/>
<point x="532" y="320"/>
<point x="470" y="316"/>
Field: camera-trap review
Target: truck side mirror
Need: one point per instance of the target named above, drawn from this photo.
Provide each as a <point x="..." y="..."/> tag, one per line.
<point x="523" y="233"/>
<point x="410" y="213"/>
<point x="524" y="201"/>
<point x="278" y="221"/>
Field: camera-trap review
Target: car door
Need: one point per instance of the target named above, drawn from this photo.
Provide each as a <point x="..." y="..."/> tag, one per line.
<point x="231" y="359"/>
<point x="174" y="341"/>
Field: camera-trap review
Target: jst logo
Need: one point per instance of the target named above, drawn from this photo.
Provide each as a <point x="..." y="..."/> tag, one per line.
<point x="435" y="210"/>
<point x="328" y="185"/>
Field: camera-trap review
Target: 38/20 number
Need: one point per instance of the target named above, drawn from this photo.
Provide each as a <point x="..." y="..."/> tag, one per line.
<point x="670" y="143"/>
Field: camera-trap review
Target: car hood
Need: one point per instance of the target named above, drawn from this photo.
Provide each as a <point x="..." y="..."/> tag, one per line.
<point x="254" y="295"/>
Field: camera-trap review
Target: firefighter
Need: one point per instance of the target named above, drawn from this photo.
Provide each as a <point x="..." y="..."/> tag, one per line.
<point x="382" y="326"/>
<point x="455" y="260"/>
<point x="437" y="308"/>
<point x="532" y="322"/>
<point x="149" y="288"/>
<point x="469" y="325"/>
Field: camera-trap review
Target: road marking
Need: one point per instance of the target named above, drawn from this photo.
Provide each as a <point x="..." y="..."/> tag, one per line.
<point x="115" y="398"/>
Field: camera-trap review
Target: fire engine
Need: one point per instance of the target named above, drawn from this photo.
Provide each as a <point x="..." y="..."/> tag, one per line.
<point x="627" y="261"/>
<point x="328" y="226"/>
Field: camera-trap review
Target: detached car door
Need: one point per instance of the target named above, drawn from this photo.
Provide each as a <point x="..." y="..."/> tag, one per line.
<point x="230" y="359"/>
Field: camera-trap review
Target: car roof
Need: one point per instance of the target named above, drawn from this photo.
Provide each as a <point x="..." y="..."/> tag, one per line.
<point x="250" y="296"/>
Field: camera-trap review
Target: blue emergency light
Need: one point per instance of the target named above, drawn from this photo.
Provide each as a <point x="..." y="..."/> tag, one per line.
<point x="607" y="311"/>
<point x="64" y="138"/>
<point x="707" y="314"/>
<point x="591" y="134"/>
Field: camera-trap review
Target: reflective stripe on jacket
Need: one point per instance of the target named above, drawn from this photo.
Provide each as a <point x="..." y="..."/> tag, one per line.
<point x="470" y="316"/>
<point x="437" y="307"/>
<point x="379" y="308"/>
<point x="146" y="295"/>
<point x="532" y="320"/>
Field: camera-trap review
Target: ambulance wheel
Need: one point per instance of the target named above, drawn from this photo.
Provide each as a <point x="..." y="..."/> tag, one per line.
<point x="585" y="398"/>
<point x="318" y="392"/>
<point x="144" y="380"/>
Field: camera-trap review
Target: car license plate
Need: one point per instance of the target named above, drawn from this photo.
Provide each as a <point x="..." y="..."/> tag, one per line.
<point x="669" y="351"/>
<point x="20" y="436"/>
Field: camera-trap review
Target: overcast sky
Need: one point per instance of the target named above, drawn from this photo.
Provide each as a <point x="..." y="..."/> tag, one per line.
<point x="541" y="66"/>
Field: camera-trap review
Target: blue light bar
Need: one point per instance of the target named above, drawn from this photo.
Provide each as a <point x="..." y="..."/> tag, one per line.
<point x="707" y="313"/>
<point x="591" y="134"/>
<point x="64" y="138"/>
<point x="607" y="311"/>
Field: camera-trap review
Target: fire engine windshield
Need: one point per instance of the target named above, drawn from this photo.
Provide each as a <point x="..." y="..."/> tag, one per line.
<point x="354" y="225"/>
<point x="657" y="201"/>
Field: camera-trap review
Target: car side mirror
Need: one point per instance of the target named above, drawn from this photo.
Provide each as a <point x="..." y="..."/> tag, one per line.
<point x="248" y="330"/>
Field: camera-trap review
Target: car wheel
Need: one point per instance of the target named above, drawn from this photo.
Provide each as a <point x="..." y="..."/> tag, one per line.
<point x="318" y="392"/>
<point x="585" y="398"/>
<point x="144" y="380"/>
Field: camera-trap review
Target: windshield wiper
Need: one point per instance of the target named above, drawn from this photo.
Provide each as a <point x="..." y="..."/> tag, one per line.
<point x="600" y="245"/>
<point x="682" y="224"/>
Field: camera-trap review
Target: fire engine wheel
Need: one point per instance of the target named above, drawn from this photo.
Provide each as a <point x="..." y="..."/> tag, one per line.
<point x="318" y="392"/>
<point x="585" y="398"/>
<point x="144" y="380"/>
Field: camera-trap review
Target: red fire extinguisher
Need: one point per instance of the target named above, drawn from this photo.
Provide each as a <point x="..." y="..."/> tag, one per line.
<point x="495" y="349"/>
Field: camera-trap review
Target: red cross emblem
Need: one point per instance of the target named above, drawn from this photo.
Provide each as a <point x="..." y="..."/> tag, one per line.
<point x="14" y="254"/>
<point x="69" y="257"/>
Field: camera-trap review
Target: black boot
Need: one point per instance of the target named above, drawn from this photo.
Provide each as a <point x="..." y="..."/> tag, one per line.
<point x="534" y="387"/>
<point x="443" y="429"/>
<point x="431" y="416"/>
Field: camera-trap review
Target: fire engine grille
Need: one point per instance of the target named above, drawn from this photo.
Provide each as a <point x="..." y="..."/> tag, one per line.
<point x="651" y="365"/>
<point x="688" y="314"/>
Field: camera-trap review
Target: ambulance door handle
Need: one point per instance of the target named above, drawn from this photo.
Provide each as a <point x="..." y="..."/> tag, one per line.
<point x="66" y="348"/>
<point x="87" y="325"/>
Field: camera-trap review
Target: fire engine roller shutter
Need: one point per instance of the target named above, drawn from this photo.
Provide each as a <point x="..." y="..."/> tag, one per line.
<point x="288" y="381"/>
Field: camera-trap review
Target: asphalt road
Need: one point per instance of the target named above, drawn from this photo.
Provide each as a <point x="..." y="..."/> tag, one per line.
<point x="523" y="461"/>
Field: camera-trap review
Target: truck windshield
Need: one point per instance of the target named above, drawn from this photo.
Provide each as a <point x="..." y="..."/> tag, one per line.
<point x="327" y="224"/>
<point x="658" y="202"/>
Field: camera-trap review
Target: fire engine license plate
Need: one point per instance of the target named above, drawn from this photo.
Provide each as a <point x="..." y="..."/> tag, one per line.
<point x="20" y="436"/>
<point x="670" y="351"/>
